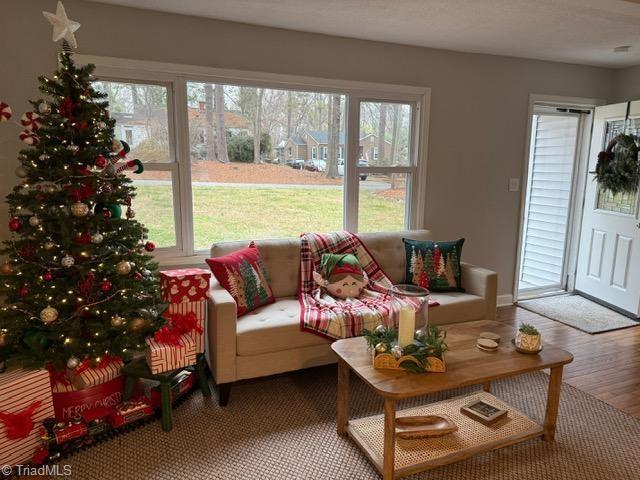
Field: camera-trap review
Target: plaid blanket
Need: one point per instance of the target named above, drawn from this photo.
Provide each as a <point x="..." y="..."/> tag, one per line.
<point x="337" y="318"/>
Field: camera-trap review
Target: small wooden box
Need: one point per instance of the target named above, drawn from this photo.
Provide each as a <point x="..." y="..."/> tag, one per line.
<point x="386" y="361"/>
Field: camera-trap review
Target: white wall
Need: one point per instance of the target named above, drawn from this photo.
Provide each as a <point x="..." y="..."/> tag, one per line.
<point x="478" y="111"/>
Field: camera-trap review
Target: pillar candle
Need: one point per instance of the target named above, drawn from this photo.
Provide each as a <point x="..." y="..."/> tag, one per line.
<point x="406" y="326"/>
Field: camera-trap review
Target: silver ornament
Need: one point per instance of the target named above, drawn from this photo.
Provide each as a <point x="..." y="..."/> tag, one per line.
<point x="396" y="351"/>
<point x="73" y="363"/>
<point x="73" y="148"/>
<point x="419" y="335"/>
<point x="48" y="315"/>
<point x="79" y="209"/>
<point x="101" y="125"/>
<point x="380" y="329"/>
<point x="49" y="245"/>
<point x="34" y="221"/>
<point x="44" y="108"/>
<point x="110" y="170"/>
<point x="21" y="172"/>
<point x="117" y="321"/>
<point x="67" y="261"/>
<point x="381" y="347"/>
<point x="44" y="157"/>
<point x="97" y="238"/>
<point x="123" y="267"/>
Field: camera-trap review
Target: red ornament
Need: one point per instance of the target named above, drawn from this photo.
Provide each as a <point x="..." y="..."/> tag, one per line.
<point x="82" y="125"/>
<point x="106" y="213"/>
<point x="83" y="238"/>
<point x="5" y="112"/>
<point x="100" y="161"/>
<point x="47" y="276"/>
<point x="30" y="121"/>
<point x="138" y="276"/>
<point x="24" y="291"/>
<point x="106" y="285"/>
<point x="149" y="246"/>
<point x="15" y="224"/>
<point x="66" y="108"/>
<point x="40" y="197"/>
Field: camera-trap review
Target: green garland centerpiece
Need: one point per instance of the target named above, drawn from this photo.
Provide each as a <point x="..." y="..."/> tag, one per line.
<point x="618" y="169"/>
<point x="422" y="355"/>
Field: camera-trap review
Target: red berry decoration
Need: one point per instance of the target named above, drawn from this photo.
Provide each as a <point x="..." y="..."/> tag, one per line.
<point x="138" y="276"/>
<point x="47" y="276"/>
<point x="24" y="291"/>
<point x="100" y="161"/>
<point x="106" y="285"/>
<point x="149" y="246"/>
<point x="15" y="224"/>
<point x="106" y="213"/>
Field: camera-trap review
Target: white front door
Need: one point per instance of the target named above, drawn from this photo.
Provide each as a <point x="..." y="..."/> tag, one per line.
<point x="609" y="257"/>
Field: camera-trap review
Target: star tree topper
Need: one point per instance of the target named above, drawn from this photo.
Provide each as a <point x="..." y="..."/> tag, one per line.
<point x="63" y="27"/>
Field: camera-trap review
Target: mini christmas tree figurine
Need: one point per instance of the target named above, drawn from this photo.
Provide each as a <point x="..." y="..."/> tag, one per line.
<point x="78" y="282"/>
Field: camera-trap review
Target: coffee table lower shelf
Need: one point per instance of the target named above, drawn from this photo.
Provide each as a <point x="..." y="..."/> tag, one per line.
<point x="472" y="437"/>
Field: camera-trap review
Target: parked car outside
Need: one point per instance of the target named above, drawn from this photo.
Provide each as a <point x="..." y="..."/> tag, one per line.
<point x="315" y="165"/>
<point x="296" y="164"/>
<point x="363" y="162"/>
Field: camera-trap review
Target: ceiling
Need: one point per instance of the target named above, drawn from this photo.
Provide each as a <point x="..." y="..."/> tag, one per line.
<point x="575" y="31"/>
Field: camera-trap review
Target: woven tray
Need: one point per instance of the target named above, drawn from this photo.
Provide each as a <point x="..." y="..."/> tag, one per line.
<point x="386" y="361"/>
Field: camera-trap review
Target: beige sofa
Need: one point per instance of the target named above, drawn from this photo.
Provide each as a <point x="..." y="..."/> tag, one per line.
<point x="269" y="340"/>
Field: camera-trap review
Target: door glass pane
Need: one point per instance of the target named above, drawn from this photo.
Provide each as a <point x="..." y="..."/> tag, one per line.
<point x="140" y="112"/>
<point x="385" y="134"/>
<point x="287" y="187"/>
<point x="548" y="195"/>
<point x="623" y="202"/>
<point x="153" y="205"/>
<point x="382" y="202"/>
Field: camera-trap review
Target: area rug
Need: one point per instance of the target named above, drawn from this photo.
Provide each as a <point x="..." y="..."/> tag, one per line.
<point x="578" y="312"/>
<point x="283" y="428"/>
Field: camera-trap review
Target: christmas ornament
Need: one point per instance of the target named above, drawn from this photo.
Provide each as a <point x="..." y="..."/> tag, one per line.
<point x="106" y="188"/>
<point x="396" y="351"/>
<point x="24" y="291"/>
<point x="100" y="162"/>
<point x="134" y="165"/>
<point x="119" y="148"/>
<point x="123" y="267"/>
<point x="130" y="213"/>
<point x="50" y="189"/>
<point x="137" y="276"/>
<point x="106" y="213"/>
<point x="73" y="148"/>
<point x="114" y="210"/>
<point x="48" y="315"/>
<point x="40" y="197"/>
<point x="381" y="347"/>
<point x="5" y="112"/>
<point x="137" y="324"/>
<point x="15" y="224"/>
<point x="3" y="338"/>
<point x="420" y="335"/>
<point x="97" y="238"/>
<point x="21" y="172"/>
<point x="110" y="170"/>
<point x="44" y="157"/>
<point x="63" y="27"/>
<point x="106" y="285"/>
<point x="79" y="209"/>
<point x="34" y="221"/>
<point x="83" y="238"/>
<point x="380" y="329"/>
<point x="47" y="276"/>
<point x="67" y="261"/>
<point x="101" y="125"/>
<point x="49" y="245"/>
<point x="73" y="363"/>
<point x="29" y="138"/>
<point x="146" y="273"/>
<point x="30" y="121"/>
<point x="117" y="321"/>
<point x="44" y="108"/>
<point x="149" y="246"/>
<point x="6" y="269"/>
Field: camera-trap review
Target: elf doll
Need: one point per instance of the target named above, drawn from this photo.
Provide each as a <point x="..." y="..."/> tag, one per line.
<point x="341" y="275"/>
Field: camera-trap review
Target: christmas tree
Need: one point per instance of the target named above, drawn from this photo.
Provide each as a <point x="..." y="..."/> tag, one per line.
<point x="79" y="285"/>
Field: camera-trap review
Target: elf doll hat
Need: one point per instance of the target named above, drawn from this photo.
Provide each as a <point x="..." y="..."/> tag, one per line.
<point x="334" y="264"/>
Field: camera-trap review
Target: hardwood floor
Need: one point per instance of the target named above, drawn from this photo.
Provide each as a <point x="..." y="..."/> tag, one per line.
<point x="606" y="365"/>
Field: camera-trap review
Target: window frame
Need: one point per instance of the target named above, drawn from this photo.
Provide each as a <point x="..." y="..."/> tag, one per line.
<point x="176" y="76"/>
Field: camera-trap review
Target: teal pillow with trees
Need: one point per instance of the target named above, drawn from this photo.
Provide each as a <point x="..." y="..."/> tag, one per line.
<point x="434" y="265"/>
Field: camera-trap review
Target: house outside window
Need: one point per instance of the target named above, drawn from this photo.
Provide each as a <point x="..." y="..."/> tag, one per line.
<point x="324" y="153"/>
<point x="314" y="153"/>
<point x="341" y="152"/>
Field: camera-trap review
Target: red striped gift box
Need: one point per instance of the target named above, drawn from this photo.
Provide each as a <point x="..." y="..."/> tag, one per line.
<point x="83" y="377"/>
<point x="200" y="309"/>
<point x="164" y="357"/>
<point x="19" y="392"/>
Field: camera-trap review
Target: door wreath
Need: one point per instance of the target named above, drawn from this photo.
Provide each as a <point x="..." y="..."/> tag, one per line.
<point x="618" y="169"/>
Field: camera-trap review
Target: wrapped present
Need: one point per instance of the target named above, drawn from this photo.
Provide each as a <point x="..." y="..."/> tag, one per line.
<point x="84" y="375"/>
<point x="69" y="405"/>
<point x="166" y="354"/>
<point x="25" y="401"/>
<point x="59" y="380"/>
<point x="190" y="317"/>
<point x="184" y="285"/>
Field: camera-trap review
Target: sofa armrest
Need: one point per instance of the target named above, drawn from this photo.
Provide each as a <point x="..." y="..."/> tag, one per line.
<point x="483" y="283"/>
<point x="221" y="333"/>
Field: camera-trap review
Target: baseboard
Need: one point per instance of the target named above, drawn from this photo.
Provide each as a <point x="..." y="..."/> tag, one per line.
<point x="504" y="300"/>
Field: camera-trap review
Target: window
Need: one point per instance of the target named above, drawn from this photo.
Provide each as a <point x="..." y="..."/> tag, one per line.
<point x="141" y="112"/>
<point x="225" y="157"/>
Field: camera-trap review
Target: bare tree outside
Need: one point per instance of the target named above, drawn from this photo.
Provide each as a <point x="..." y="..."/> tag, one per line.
<point x="257" y="124"/>
<point x="382" y="129"/>
<point x="334" y="137"/>
<point x="208" y="115"/>
<point x="221" y="137"/>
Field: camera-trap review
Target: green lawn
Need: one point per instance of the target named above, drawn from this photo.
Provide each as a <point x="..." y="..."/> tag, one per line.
<point x="232" y="213"/>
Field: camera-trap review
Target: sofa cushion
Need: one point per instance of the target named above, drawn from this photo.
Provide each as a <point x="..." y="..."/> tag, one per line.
<point x="274" y="328"/>
<point x="457" y="307"/>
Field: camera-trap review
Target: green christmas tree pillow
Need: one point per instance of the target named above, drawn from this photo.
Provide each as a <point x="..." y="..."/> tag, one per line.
<point x="434" y="265"/>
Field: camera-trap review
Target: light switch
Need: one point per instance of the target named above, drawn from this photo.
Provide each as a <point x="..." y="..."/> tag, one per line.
<point x="514" y="184"/>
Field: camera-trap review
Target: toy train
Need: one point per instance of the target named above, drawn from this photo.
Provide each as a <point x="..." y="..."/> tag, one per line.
<point x="62" y="438"/>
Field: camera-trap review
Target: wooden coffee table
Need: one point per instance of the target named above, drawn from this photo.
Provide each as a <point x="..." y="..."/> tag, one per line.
<point x="466" y="365"/>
